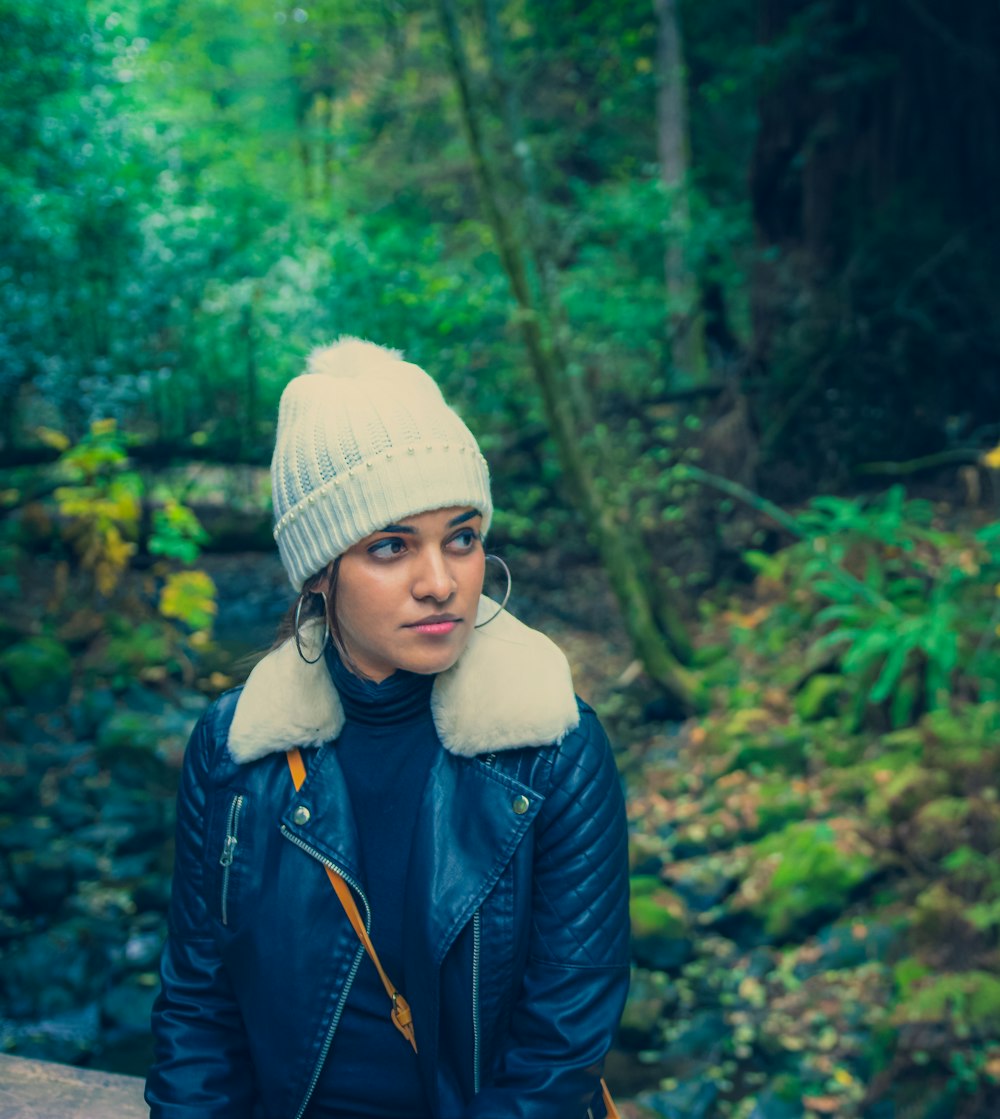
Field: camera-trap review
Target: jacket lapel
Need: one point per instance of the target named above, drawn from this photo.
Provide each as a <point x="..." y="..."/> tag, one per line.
<point x="328" y="826"/>
<point x="467" y="833"/>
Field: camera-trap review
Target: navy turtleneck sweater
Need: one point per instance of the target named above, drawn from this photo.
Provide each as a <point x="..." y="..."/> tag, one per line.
<point x="385" y="751"/>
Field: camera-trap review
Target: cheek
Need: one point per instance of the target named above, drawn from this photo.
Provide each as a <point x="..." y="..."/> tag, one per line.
<point x="354" y="601"/>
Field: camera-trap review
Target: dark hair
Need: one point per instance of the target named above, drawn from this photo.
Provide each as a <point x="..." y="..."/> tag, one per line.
<point x="313" y="605"/>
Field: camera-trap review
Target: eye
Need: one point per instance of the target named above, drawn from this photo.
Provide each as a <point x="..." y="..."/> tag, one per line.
<point x="465" y="540"/>
<point x="387" y="548"/>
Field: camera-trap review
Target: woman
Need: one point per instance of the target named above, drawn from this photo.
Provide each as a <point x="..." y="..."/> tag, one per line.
<point x="452" y="781"/>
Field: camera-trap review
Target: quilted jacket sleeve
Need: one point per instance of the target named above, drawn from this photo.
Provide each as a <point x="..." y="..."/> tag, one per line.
<point x="201" y="1063"/>
<point x="577" y="974"/>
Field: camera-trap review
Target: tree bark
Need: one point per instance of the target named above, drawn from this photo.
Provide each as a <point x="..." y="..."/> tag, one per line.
<point x="684" y="312"/>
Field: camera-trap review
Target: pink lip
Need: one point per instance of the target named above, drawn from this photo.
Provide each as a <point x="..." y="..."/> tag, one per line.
<point x="435" y="626"/>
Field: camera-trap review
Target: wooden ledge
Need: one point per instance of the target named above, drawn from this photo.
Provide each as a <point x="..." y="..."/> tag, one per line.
<point x="44" y="1090"/>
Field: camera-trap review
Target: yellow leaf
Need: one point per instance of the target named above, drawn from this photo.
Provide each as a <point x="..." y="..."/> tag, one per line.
<point x="52" y="438"/>
<point x="103" y="427"/>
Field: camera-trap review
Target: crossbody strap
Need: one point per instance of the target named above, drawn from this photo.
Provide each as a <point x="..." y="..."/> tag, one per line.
<point x="401" y="1017"/>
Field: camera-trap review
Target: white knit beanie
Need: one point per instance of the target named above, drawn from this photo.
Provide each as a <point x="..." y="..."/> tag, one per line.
<point x="365" y="439"/>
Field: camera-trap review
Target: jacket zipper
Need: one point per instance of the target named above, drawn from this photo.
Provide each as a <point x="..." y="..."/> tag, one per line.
<point x="476" y="930"/>
<point x="328" y="1041"/>
<point x="229" y="851"/>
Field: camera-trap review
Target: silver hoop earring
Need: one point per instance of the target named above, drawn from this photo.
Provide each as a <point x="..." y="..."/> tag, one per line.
<point x="326" y="628"/>
<point x="506" y="597"/>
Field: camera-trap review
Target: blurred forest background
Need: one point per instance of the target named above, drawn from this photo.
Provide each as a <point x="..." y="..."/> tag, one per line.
<point x="717" y="285"/>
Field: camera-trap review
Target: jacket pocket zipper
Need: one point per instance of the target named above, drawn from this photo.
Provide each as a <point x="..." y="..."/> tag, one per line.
<point x="229" y="851"/>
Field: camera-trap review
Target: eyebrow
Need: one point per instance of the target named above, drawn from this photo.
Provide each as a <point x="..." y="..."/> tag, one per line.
<point x="411" y="531"/>
<point x="464" y="517"/>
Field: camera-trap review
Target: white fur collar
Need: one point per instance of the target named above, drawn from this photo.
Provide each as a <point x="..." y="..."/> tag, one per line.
<point x="511" y="687"/>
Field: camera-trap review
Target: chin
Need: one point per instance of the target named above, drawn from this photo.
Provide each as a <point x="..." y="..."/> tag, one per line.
<point x="432" y="665"/>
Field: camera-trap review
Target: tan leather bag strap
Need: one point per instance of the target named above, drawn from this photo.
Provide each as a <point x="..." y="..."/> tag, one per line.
<point x="401" y="1016"/>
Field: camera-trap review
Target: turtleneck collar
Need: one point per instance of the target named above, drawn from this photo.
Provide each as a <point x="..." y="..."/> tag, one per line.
<point x="400" y="698"/>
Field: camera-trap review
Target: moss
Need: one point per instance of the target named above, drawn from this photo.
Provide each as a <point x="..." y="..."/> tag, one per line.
<point x="805" y="872"/>
<point x="656" y="910"/>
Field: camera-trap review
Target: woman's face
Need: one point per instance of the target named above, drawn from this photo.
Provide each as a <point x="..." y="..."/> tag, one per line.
<point x="407" y="595"/>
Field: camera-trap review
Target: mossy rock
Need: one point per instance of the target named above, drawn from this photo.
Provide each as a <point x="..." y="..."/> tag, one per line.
<point x="655" y="909"/>
<point x="805" y="874"/>
<point x="660" y="925"/>
<point x="899" y="796"/>
<point x="941" y="917"/>
<point x="968" y="1002"/>
<point x="38" y="671"/>
<point x="650" y="995"/>
<point x="782" y="748"/>
<point x="943" y="825"/>
<point x="132" y="649"/>
<point x="780" y="802"/>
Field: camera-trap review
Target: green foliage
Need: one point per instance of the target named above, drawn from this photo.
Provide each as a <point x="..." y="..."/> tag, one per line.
<point x="177" y="533"/>
<point x="905" y="609"/>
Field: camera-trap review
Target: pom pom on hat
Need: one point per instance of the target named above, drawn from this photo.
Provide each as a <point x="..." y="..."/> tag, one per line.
<point x="365" y="439"/>
<point x="353" y="357"/>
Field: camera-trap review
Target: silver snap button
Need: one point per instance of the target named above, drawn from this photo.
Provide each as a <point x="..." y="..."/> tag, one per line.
<point x="520" y="805"/>
<point x="301" y="815"/>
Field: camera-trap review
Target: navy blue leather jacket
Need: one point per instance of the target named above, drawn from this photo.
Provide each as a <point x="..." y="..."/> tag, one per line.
<point x="516" y="909"/>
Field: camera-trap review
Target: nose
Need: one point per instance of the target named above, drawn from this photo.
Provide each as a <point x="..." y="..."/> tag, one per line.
<point x="434" y="578"/>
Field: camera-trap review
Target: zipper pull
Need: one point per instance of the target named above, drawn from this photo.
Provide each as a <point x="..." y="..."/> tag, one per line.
<point x="226" y="858"/>
<point x="489" y="759"/>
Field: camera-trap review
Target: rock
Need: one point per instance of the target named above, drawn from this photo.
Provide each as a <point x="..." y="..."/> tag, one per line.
<point x="152" y="894"/>
<point x="38" y="671"/>
<point x="154" y="725"/>
<point x="701" y="884"/>
<point x="142" y="950"/>
<point x="32" y="834"/>
<point x="32" y="988"/>
<point x="660" y="925"/>
<point x="783" y="748"/>
<point x="694" y="1099"/>
<point x="96" y="705"/>
<point x="846" y="946"/>
<point x="776" y="1104"/>
<point x="805" y="874"/>
<point x="105" y="837"/>
<point x="42" y="879"/>
<point x="70" y="1037"/>
<point x="650" y="994"/>
<point x="701" y="1039"/>
<point x="71" y="813"/>
<point x="126" y="1008"/>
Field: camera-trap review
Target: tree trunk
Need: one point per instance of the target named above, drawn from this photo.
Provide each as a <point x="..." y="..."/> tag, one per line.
<point x="616" y="539"/>
<point x="685" y="316"/>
